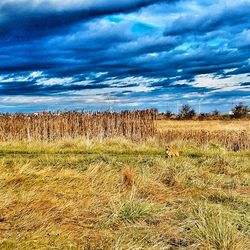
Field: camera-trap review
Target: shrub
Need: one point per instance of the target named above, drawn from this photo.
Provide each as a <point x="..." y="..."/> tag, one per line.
<point x="240" y="110"/>
<point x="186" y="112"/>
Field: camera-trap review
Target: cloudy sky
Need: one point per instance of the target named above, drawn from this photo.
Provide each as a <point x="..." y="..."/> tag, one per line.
<point x="86" y="54"/>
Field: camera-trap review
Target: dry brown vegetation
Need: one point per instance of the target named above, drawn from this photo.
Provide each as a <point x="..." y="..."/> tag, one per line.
<point x="211" y="125"/>
<point x="235" y="135"/>
<point x="115" y="194"/>
<point x="81" y="192"/>
<point x="135" y="125"/>
<point x="56" y="126"/>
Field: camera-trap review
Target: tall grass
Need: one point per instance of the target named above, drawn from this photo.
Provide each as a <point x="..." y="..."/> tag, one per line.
<point x="118" y="194"/>
<point x="49" y="126"/>
<point x="233" y="140"/>
<point x="135" y="125"/>
<point x="213" y="229"/>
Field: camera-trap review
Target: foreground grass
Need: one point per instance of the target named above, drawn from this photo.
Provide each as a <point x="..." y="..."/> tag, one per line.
<point x="120" y="195"/>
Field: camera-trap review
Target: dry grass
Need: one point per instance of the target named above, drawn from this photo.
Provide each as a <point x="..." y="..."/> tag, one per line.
<point x="121" y="195"/>
<point x="212" y="125"/>
<point x="47" y="126"/>
<point x="128" y="176"/>
<point x="233" y="134"/>
<point x="214" y="228"/>
<point x="135" y="125"/>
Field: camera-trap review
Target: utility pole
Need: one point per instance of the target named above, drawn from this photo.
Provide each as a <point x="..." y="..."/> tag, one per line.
<point x="232" y="107"/>
<point x="177" y="108"/>
<point x="199" y="107"/>
<point x="110" y="104"/>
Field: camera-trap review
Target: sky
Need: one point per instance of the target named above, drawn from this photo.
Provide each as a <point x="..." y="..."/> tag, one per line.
<point x="126" y="54"/>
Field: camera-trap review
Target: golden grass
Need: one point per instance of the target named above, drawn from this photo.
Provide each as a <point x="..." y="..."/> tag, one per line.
<point x="233" y="134"/>
<point x="211" y="125"/>
<point x="116" y="194"/>
<point x="135" y="125"/>
<point x="128" y="176"/>
<point x="48" y="126"/>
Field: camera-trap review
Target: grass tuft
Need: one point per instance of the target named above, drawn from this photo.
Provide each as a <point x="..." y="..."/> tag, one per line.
<point x="128" y="176"/>
<point x="213" y="229"/>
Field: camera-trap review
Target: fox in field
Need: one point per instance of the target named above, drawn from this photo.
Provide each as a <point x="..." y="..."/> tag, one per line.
<point x="171" y="152"/>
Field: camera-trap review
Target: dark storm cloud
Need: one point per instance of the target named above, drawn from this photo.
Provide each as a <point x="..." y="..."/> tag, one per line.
<point x="27" y="19"/>
<point x="30" y="88"/>
<point x="245" y="84"/>
<point x="123" y="44"/>
<point x="214" y="18"/>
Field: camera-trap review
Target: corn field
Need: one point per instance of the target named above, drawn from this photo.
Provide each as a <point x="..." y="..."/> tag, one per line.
<point x="49" y="126"/>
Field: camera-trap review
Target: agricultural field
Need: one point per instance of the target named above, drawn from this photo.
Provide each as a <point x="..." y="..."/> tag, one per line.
<point x="118" y="193"/>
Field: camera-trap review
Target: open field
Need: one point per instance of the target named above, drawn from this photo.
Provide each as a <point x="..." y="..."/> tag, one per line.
<point x="233" y="134"/>
<point x="137" y="125"/>
<point x="104" y="193"/>
<point x="114" y="194"/>
<point x="211" y="125"/>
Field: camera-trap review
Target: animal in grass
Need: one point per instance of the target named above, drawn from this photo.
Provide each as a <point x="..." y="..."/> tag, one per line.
<point x="171" y="152"/>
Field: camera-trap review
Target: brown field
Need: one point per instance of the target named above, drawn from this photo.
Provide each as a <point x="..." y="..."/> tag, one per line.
<point x="233" y="134"/>
<point x="48" y="126"/>
<point x="134" y="125"/>
<point x="114" y="193"/>
<point x="211" y="125"/>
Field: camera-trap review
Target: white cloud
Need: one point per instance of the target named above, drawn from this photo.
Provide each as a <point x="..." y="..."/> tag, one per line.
<point x="215" y="82"/>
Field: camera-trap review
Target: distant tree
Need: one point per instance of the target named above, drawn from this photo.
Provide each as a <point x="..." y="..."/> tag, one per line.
<point x="216" y="112"/>
<point x="168" y="114"/>
<point x="240" y="110"/>
<point x="186" y="112"/>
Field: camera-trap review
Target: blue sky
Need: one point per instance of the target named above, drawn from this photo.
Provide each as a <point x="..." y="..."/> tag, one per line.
<point x="128" y="54"/>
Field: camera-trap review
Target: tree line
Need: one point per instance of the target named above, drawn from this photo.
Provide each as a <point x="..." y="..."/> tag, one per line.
<point x="187" y="113"/>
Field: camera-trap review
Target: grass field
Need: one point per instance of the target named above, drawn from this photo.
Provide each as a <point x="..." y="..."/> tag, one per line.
<point x="213" y="125"/>
<point x="233" y="134"/>
<point x="120" y="195"/>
